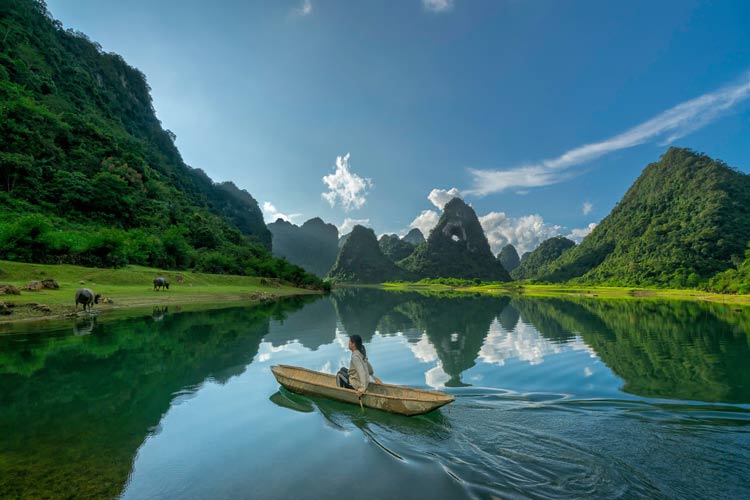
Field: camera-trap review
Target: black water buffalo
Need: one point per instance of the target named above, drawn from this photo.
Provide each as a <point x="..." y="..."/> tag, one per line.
<point x="161" y="282"/>
<point x="86" y="297"/>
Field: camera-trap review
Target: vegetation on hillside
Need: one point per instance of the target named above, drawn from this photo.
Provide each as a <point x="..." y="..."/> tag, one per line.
<point x="89" y="176"/>
<point x="509" y="258"/>
<point x="313" y="245"/>
<point x="547" y="252"/>
<point x="457" y="248"/>
<point x="394" y="247"/>
<point x="361" y="260"/>
<point x="686" y="218"/>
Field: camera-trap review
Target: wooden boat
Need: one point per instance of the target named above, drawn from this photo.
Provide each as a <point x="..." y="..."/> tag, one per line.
<point x="387" y="397"/>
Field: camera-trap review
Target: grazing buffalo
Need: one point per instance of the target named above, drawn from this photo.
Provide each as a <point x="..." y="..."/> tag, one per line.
<point x="161" y="282"/>
<point x="86" y="297"/>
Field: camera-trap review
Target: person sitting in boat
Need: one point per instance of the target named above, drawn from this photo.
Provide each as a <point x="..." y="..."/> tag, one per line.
<point x="357" y="377"/>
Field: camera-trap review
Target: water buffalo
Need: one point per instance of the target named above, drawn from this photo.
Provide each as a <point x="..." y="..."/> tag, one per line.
<point x="86" y="297"/>
<point x="161" y="282"/>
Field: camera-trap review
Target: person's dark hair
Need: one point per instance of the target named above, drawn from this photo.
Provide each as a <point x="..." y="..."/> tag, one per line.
<point x="358" y="344"/>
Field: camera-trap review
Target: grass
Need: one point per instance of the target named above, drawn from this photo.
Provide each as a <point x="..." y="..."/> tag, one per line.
<point x="131" y="286"/>
<point x="534" y="290"/>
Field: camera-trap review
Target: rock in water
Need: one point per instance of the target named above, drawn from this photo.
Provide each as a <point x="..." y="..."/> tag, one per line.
<point x="361" y="261"/>
<point x="457" y="248"/>
<point x="415" y="237"/>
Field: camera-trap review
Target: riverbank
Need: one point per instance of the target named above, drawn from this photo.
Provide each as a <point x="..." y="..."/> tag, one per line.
<point x="128" y="287"/>
<point x="533" y="290"/>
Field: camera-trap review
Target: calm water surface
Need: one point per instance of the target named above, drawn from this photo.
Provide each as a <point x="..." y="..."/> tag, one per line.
<point x="555" y="399"/>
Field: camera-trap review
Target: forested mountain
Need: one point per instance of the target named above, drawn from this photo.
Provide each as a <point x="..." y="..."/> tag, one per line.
<point x="509" y="258"/>
<point x="394" y="247"/>
<point x="457" y="248"/>
<point x="547" y="252"/>
<point x="89" y="175"/>
<point x="314" y="245"/>
<point x="685" y="218"/>
<point x="415" y="237"/>
<point x="361" y="260"/>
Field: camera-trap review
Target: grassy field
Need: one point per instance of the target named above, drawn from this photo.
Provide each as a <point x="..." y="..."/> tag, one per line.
<point x="131" y="286"/>
<point x="578" y="291"/>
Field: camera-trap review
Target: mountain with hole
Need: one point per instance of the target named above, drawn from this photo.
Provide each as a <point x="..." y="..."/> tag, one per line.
<point x="457" y="248"/>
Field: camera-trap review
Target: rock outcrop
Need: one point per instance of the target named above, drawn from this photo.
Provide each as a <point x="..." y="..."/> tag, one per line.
<point x="457" y="248"/>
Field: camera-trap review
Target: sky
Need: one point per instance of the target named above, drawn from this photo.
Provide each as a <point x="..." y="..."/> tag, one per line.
<point x="540" y="114"/>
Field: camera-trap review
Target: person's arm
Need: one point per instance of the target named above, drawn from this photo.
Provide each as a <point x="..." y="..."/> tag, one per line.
<point x="360" y="384"/>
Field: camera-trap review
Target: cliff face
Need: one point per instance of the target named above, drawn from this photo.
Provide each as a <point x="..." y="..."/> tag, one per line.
<point x="457" y="248"/>
<point x="361" y="261"/>
<point x="508" y="257"/>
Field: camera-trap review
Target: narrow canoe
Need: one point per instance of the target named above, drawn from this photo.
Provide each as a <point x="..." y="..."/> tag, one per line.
<point x="387" y="397"/>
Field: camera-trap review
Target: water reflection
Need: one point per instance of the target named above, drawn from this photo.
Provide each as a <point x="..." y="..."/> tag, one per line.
<point x="76" y="406"/>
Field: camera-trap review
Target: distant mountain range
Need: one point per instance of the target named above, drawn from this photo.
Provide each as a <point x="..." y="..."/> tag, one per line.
<point x="313" y="246"/>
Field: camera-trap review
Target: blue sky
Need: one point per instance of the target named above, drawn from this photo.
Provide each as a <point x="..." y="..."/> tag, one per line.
<point x="484" y="97"/>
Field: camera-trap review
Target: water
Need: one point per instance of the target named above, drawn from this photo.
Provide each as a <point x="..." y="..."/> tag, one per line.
<point x="556" y="398"/>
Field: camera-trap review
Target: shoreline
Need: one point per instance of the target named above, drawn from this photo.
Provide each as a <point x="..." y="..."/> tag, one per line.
<point x="604" y="292"/>
<point x="126" y="289"/>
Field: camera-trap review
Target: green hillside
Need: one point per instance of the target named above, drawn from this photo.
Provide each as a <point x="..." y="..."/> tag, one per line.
<point x="89" y="176"/>
<point x="314" y="245"/>
<point x="547" y="252"/>
<point x="686" y="218"/>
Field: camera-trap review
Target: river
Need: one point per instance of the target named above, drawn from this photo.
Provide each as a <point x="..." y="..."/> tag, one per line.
<point x="555" y="398"/>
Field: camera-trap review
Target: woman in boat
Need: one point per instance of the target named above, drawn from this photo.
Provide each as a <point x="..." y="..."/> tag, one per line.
<point x="357" y="377"/>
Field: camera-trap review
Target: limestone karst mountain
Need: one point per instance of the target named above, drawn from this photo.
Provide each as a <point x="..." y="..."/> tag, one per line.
<point x="394" y="247"/>
<point x="457" y="248"/>
<point x="509" y="258"/>
<point x="313" y="246"/>
<point x="360" y="260"/>
<point x="415" y="237"/>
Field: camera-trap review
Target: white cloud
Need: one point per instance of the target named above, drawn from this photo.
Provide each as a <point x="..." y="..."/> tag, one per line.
<point x="348" y="224"/>
<point x="438" y="5"/>
<point x="587" y="207"/>
<point x="669" y="126"/>
<point x="270" y="213"/>
<point x="425" y="222"/>
<point x="524" y="233"/>
<point x="578" y="234"/>
<point x="305" y="9"/>
<point x="439" y="197"/>
<point x="345" y="186"/>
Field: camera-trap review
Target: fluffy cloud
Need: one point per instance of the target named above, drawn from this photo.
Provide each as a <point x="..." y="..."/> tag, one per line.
<point x="270" y="213"/>
<point x="579" y="234"/>
<point x="439" y="197"/>
<point x="425" y="221"/>
<point x="525" y="233"/>
<point x="345" y="186"/>
<point x="348" y="224"/>
<point x="438" y="5"/>
<point x="587" y="207"/>
<point x="668" y="126"/>
<point x="305" y="9"/>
